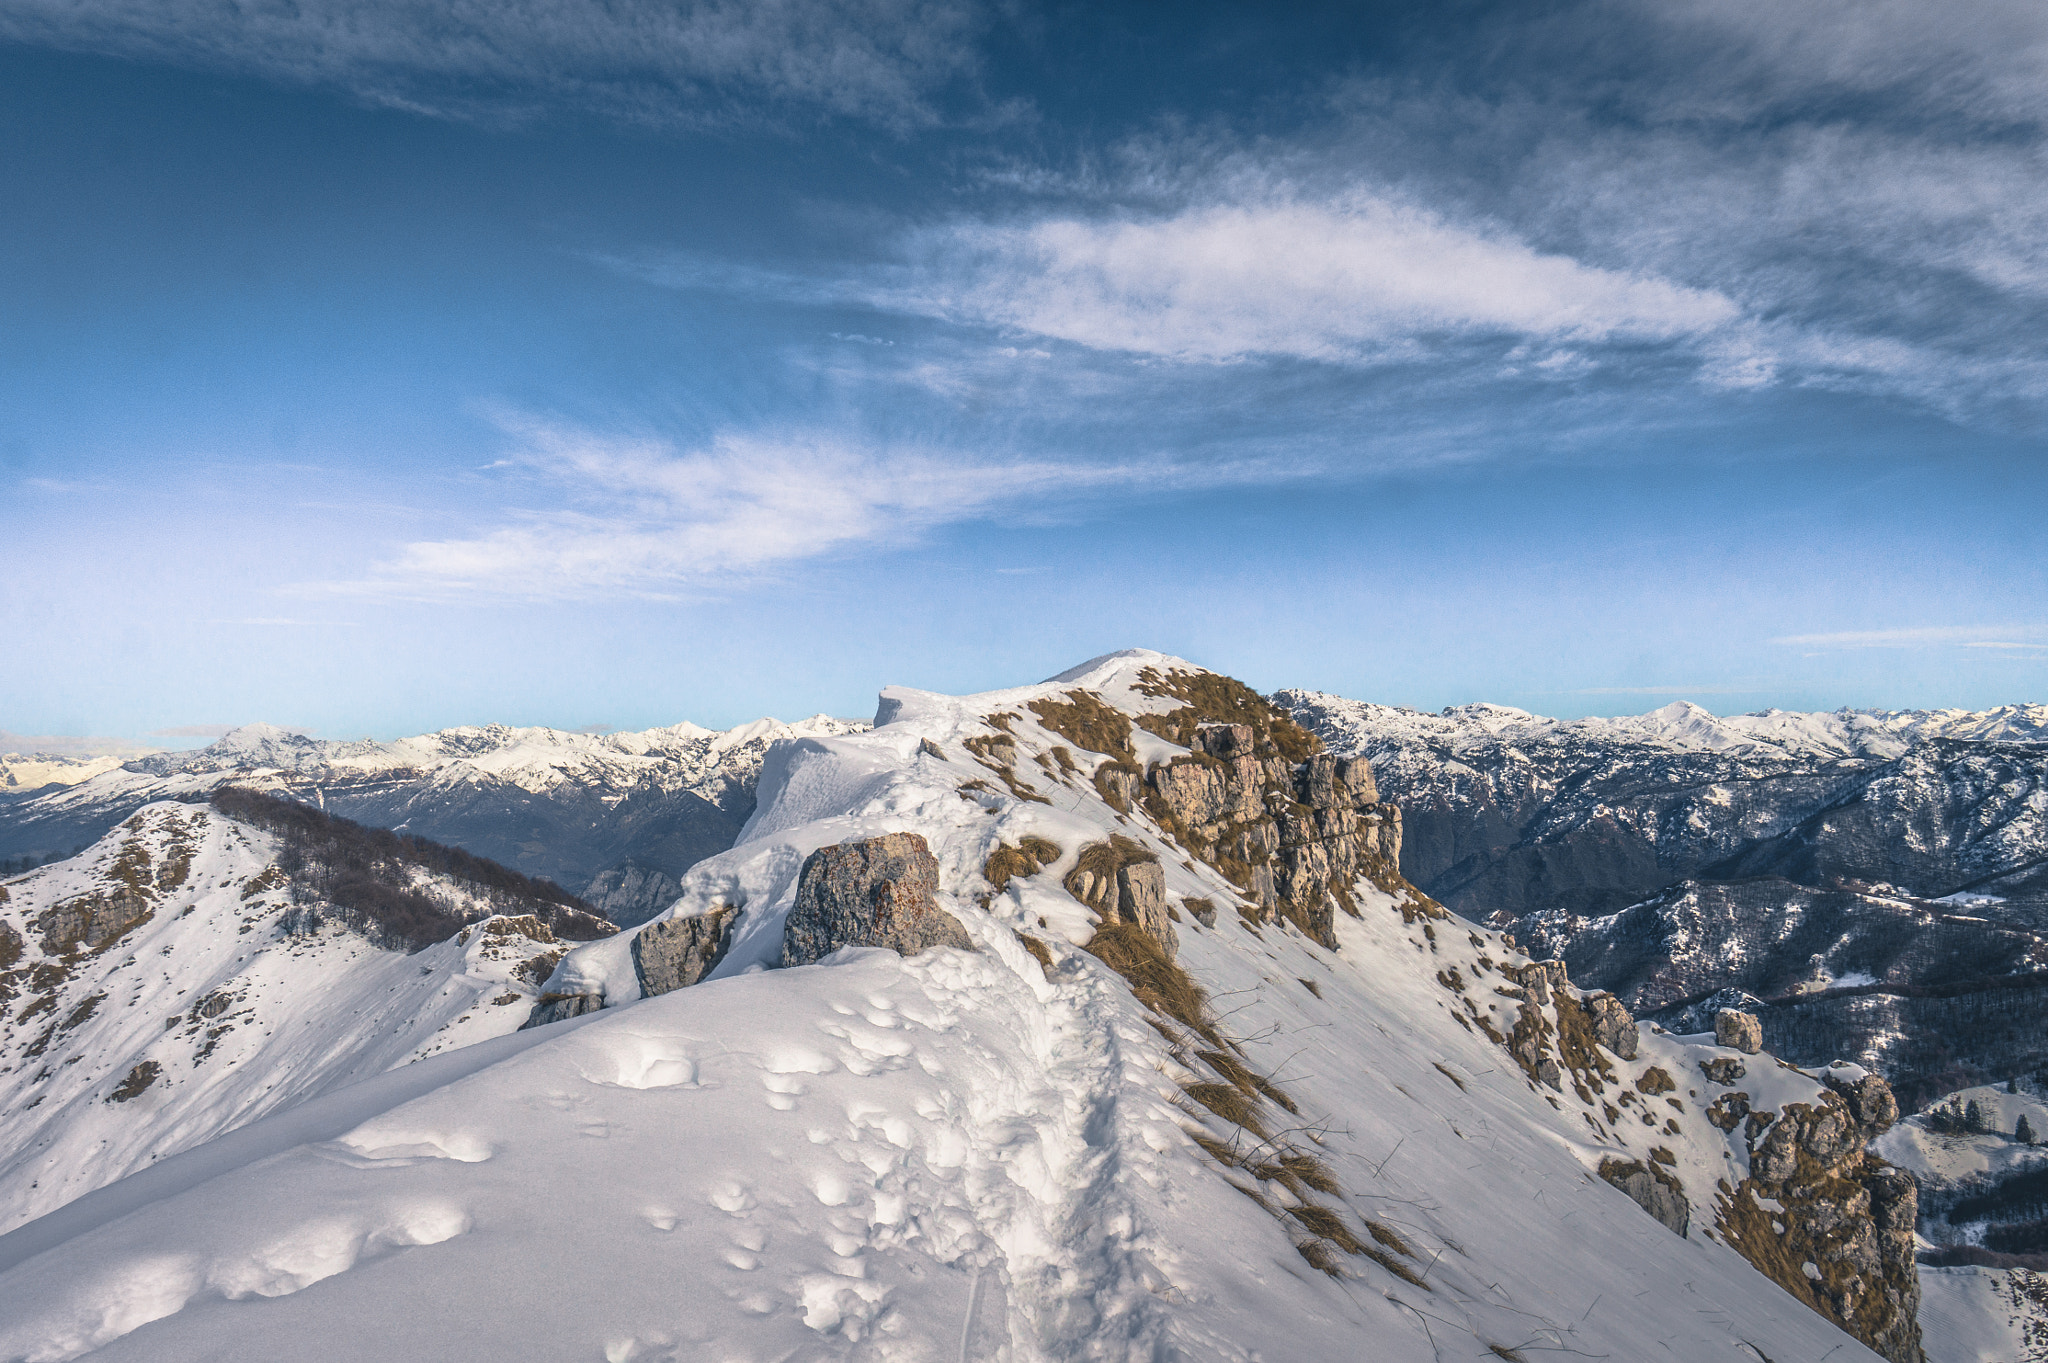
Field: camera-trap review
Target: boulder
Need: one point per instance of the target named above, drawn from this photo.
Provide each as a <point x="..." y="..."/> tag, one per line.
<point x="879" y="892"/>
<point x="1141" y="899"/>
<point x="1738" y="1031"/>
<point x="1612" y="1025"/>
<point x="677" y="952"/>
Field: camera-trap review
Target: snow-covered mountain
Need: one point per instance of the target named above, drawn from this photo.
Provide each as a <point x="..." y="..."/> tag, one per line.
<point x="583" y="810"/>
<point x="1880" y="877"/>
<point x="178" y="980"/>
<point x="1168" y="1061"/>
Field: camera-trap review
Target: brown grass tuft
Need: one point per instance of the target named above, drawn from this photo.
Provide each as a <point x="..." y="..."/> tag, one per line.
<point x="1087" y="721"/>
<point x="1039" y="950"/>
<point x="1312" y="1172"/>
<point x="1389" y="1237"/>
<point x="1228" y="1102"/>
<point x="1320" y="1255"/>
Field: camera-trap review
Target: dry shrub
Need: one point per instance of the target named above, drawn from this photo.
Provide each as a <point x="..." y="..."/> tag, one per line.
<point x="1503" y="1351"/>
<point x="1274" y="1095"/>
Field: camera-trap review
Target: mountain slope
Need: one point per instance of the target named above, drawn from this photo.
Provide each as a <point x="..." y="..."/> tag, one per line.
<point x="1876" y="882"/>
<point x="570" y="807"/>
<point x="1315" y="1117"/>
<point x="176" y="981"/>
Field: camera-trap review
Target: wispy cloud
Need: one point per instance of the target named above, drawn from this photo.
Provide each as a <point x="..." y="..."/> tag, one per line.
<point x="193" y="731"/>
<point x="1347" y="280"/>
<point x="1921" y="636"/>
<point x="643" y="61"/>
<point x="641" y="516"/>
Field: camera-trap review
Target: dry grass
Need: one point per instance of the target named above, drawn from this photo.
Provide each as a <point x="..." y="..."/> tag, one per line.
<point x="1211" y="699"/>
<point x="1503" y="1351"/>
<point x="1039" y="950"/>
<point x="1230" y="1103"/>
<point x="1087" y="721"/>
<point x="1397" y="1268"/>
<point x="1326" y="1224"/>
<point x="1447" y="1074"/>
<point x="1320" y="1255"/>
<point x="1027" y="858"/>
<point x="1312" y="1172"/>
<point x="1159" y="983"/>
<point x="1389" y="1237"/>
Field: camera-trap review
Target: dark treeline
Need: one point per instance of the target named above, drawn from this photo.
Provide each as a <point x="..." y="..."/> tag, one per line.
<point x="361" y="873"/>
<point x="16" y="866"/>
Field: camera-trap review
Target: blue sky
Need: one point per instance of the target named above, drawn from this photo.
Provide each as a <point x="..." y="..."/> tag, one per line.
<point x="380" y="366"/>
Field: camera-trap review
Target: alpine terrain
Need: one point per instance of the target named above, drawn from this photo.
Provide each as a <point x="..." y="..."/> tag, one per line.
<point x="616" y="816"/>
<point x="1871" y="884"/>
<point x="1095" y="1019"/>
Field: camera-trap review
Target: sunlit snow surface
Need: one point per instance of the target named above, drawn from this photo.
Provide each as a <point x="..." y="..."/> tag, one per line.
<point x="947" y="1157"/>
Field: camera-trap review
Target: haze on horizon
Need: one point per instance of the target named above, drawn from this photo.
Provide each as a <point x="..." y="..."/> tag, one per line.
<point x="380" y="368"/>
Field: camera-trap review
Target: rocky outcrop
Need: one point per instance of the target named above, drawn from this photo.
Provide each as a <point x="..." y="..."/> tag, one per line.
<point x="1123" y="883"/>
<point x="1738" y="1031"/>
<point x="1655" y="1191"/>
<point x="559" y="1008"/>
<point x="880" y="892"/>
<point x="1612" y="1025"/>
<point x="1829" y="1222"/>
<point x="677" y="952"/>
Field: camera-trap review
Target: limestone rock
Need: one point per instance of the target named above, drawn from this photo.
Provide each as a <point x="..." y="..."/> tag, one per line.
<point x="1722" y="1069"/>
<point x="1738" y="1031"/>
<point x="1870" y="1100"/>
<point x="558" y="1007"/>
<point x="1655" y="1191"/>
<point x="879" y="892"/>
<point x="1612" y="1025"/>
<point x="1141" y="899"/>
<point x="678" y="952"/>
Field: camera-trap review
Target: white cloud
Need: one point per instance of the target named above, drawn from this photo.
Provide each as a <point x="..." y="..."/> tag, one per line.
<point x="1924" y="636"/>
<point x="1353" y="279"/>
<point x="642" y="517"/>
<point x="640" y="60"/>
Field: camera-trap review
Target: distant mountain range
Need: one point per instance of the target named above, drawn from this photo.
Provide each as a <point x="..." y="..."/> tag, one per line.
<point x="617" y="817"/>
<point x="1878" y="879"/>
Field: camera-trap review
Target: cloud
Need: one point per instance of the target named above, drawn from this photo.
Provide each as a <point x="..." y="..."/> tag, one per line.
<point x="1356" y="279"/>
<point x="193" y="731"/>
<point x="643" y="517"/>
<point x="1926" y="636"/>
<point x="641" y="61"/>
<point x="65" y="745"/>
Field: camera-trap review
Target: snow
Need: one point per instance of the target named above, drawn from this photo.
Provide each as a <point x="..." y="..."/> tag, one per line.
<point x="956" y="1155"/>
<point x="243" y="1014"/>
<point x="1680" y="727"/>
<point x="1983" y="1315"/>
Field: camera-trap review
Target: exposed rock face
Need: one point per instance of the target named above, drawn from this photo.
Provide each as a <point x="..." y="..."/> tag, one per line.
<point x="558" y="1007"/>
<point x="1612" y="1026"/>
<point x="1293" y="835"/>
<point x="1829" y="1222"/>
<point x="1738" y="1031"/>
<point x="1655" y="1191"/>
<point x="677" y="952"/>
<point x="876" y="893"/>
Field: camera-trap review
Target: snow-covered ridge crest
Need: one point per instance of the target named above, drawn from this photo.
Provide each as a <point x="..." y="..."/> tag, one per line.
<point x="998" y="1153"/>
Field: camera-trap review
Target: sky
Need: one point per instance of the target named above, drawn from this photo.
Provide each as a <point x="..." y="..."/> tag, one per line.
<point x="379" y="366"/>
